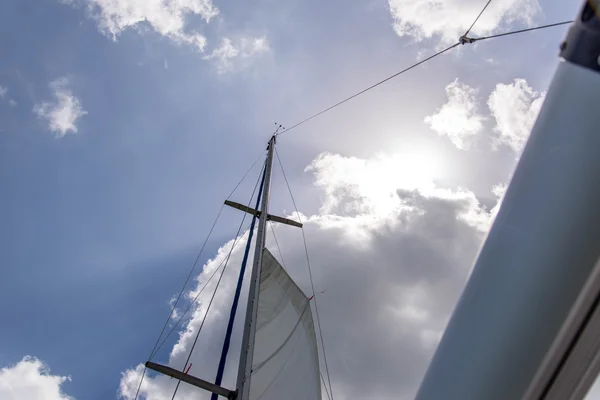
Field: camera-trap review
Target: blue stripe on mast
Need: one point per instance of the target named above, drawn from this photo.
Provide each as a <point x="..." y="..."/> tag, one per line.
<point x="236" y="297"/>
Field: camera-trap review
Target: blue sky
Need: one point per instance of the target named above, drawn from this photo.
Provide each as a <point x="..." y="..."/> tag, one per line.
<point x="100" y="226"/>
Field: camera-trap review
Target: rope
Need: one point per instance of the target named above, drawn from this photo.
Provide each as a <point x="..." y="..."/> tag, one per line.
<point x="367" y="89"/>
<point x="477" y="19"/>
<point x="215" y="291"/>
<point x="309" y="273"/>
<point x="522" y="30"/>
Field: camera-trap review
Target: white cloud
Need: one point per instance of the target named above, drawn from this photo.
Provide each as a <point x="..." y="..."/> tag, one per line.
<point x="62" y="113"/>
<point x="172" y="19"/>
<point x="12" y="103"/>
<point x="167" y="17"/>
<point x="30" y="379"/>
<point x="449" y="19"/>
<point x="515" y="107"/>
<point x="458" y="118"/>
<point x="227" y="56"/>
<point x="498" y="190"/>
<point x="392" y="256"/>
<point x="3" y="91"/>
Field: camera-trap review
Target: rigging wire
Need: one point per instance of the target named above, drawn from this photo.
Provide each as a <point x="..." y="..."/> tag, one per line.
<point x="367" y="89"/>
<point x="521" y="31"/>
<point x="200" y="254"/>
<point x="277" y="133"/>
<point x="137" y="393"/>
<point x="312" y="285"/>
<point x="204" y="319"/>
<point x="477" y="19"/>
<point x="216" y="288"/>
<point x="173" y="308"/>
<point x="235" y="243"/>
<point x="466" y="40"/>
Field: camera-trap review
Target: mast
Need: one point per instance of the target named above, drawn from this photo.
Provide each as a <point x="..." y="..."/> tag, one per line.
<point x="245" y="367"/>
<point x="247" y="351"/>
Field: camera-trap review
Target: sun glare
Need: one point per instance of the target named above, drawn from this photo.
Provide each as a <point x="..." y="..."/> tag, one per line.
<point x="384" y="174"/>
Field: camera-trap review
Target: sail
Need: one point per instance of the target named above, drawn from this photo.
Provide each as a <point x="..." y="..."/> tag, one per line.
<point x="285" y="363"/>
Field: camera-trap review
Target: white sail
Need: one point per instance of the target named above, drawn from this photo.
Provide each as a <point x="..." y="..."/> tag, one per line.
<point x="285" y="360"/>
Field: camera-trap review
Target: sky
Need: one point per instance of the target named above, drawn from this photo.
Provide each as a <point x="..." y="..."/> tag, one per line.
<point x="124" y="124"/>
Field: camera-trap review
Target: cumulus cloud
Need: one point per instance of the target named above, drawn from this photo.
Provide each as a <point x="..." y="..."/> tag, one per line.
<point x="166" y="17"/>
<point x="63" y="112"/>
<point x="31" y="379"/>
<point x="3" y="91"/>
<point x="392" y="257"/>
<point x="227" y="56"/>
<point x="449" y="19"/>
<point x="515" y="107"/>
<point x="458" y="118"/>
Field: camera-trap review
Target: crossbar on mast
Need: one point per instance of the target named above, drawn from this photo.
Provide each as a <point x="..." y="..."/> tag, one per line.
<point x="192" y="380"/>
<point x="242" y="207"/>
<point x="256" y="213"/>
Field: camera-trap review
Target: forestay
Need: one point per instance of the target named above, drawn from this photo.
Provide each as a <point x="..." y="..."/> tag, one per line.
<point x="285" y="361"/>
